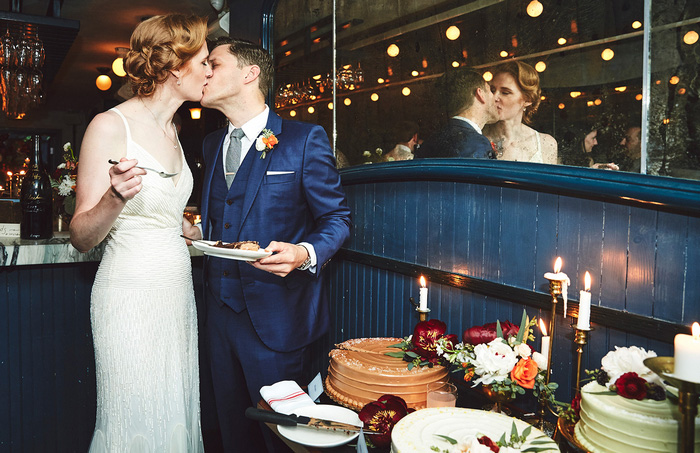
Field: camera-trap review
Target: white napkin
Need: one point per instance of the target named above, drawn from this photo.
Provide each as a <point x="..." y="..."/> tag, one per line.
<point x="285" y="397"/>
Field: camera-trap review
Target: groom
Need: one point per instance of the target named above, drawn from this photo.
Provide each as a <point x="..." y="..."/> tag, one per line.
<point x="261" y="318"/>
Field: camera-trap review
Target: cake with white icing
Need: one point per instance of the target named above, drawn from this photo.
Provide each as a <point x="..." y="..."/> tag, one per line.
<point x="421" y="431"/>
<point x="611" y="423"/>
<point x="359" y="373"/>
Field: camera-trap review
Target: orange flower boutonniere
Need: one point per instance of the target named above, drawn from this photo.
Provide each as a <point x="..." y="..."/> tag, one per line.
<point x="265" y="142"/>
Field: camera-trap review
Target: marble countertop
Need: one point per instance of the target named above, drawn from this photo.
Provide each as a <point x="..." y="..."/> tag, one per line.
<point x="21" y="252"/>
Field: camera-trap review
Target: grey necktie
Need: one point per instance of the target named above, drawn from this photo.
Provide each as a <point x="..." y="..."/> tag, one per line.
<point x="233" y="155"/>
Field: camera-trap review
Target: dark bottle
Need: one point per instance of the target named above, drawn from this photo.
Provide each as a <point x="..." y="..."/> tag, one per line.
<point x="36" y="200"/>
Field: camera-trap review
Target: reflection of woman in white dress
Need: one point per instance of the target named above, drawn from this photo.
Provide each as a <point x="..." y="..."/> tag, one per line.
<point x="517" y="86"/>
<point x="142" y="307"/>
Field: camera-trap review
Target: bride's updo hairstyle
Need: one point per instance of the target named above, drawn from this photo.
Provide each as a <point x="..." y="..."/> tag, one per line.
<point x="162" y="44"/>
<point x="529" y="83"/>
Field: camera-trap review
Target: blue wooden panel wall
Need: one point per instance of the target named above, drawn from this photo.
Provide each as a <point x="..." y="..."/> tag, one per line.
<point x="643" y="257"/>
<point x="47" y="378"/>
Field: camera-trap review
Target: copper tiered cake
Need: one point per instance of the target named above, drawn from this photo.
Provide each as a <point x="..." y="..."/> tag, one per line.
<point x="360" y="372"/>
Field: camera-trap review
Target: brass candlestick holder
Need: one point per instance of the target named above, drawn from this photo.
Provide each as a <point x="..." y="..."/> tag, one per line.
<point x="581" y="339"/>
<point x="422" y="314"/>
<point x="687" y="399"/>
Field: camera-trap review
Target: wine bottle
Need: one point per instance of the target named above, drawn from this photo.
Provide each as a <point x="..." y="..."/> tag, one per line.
<point x="36" y="200"/>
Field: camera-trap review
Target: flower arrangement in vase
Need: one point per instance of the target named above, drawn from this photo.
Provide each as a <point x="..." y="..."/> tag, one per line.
<point x="63" y="182"/>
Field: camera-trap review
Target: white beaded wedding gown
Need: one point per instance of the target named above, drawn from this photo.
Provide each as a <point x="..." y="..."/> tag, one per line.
<point x="144" y="323"/>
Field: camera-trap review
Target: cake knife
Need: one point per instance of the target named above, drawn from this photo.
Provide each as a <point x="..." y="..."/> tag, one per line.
<point x="276" y="418"/>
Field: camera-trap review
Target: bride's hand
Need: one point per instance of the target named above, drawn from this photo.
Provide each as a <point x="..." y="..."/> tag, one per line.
<point x="125" y="179"/>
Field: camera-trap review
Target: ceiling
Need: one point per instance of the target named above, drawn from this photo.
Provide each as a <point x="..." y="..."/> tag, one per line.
<point x="104" y="25"/>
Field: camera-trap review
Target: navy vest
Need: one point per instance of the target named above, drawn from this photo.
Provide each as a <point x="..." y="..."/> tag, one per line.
<point x="225" y="211"/>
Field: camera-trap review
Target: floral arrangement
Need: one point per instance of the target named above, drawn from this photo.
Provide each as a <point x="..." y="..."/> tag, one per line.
<point x="507" y="364"/>
<point x="63" y="179"/>
<point x="381" y="416"/>
<point x="426" y="346"/>
<point x="372" y="157"/>
<point x="623" y="372"/>
<point x="265" y="142"/>
<point x="515" y="443"/>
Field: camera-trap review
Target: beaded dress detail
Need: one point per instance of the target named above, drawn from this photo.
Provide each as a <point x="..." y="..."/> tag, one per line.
<point x="144" y="322"/>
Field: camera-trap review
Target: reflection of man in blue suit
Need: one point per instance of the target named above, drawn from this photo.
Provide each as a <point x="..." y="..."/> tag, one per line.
<point x="262" y="317"/>
<point x="470" y="105"/>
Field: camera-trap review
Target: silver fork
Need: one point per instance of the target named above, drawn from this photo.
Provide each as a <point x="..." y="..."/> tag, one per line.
<point x="162" y="174"/>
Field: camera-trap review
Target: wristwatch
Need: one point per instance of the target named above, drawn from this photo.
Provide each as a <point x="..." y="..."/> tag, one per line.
<point x="307" y="262"/>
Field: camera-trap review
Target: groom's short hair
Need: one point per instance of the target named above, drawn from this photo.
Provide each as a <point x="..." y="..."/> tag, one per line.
<point x="456" y="89"/>
<point x="249" y="53"/>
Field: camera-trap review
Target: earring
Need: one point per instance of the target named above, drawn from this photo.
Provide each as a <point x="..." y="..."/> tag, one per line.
<point x="178" y="82"/>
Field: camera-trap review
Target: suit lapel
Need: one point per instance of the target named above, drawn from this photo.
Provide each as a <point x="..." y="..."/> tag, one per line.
<point x="260" y="166"/>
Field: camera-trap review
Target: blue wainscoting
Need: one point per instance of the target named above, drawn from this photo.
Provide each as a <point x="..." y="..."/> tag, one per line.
<point x="489" y="230"/>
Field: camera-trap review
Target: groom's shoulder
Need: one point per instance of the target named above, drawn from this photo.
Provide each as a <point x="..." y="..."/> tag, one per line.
<point x="299" y="127"/>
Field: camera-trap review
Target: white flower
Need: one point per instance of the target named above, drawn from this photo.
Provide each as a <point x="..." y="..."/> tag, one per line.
<point x="523" y="350"/>
<point x="259" y="144"/>
<point x="66" y="147"/>
<point x="65" y="188"/>
<point x="625" y="360"/>
<point x="379" y="151"/>
<point x="62" y="165"/>
<point x="469" y="444"/>
<point x="493" y="361"/>
<point x="366" y="154"/>
<point x="540" y="360"/>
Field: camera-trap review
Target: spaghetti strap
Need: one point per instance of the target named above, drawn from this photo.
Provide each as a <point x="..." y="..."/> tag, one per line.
<point x="126" y="124"/>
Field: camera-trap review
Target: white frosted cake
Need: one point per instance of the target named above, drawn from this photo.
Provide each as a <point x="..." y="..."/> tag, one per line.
<point x="418" y="432"/>
<point x="611" y="423"/>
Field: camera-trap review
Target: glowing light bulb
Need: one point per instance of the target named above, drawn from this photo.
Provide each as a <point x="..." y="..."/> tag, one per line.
<point x="561" y="106"/>
<point x="452" y="33"/>
<point x="347" y="101"/>
<point x="636" y="24"/>
<point x="103" y="82"/>
<point x="638" y="97"/>
<point x="414" y="73"/>
<point x="674" y="80"/>
<point x="380" y="80"/>
<point x="561" y="41"/>
<point x="374" y="97"/>
<point x="292" y="113"/>
<point x="455" y="64"/>
<point x="406" y="91"/>
<point x="575" y="94"/>
<point x="534" y="8"/>
<point x="118" y="67"/>
<point x="597" y="102"/>
<point x="691" y="37"/>
<point x="540" y="66"/>
<point x="330" y="106"/>
<point x="311" y="109"/>
<point x="488" y="76"/>
<point x="607" y="54"/>
<point x="392" y="50"/>
<point x="620" y="89"/>
<point x="503" y="53"/>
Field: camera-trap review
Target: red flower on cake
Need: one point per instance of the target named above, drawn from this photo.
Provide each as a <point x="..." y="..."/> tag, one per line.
<point x="524" y="373"/>
<point x="487" y="442"/>
<point x="487" y="333"/>
<point x="425" y="337"/>
<point x="381" y="416"/>
<point x="576" y="404"/>
<point x="631" y="386"/>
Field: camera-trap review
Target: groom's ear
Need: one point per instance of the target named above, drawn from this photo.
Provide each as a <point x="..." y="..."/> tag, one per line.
<point x="253" y="73"/>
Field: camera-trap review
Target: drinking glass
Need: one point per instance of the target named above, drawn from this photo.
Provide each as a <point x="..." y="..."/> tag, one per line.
<point x="441" y="394"/>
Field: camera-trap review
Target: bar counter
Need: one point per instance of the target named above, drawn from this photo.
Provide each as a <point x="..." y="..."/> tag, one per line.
<point x="57" y="250"/>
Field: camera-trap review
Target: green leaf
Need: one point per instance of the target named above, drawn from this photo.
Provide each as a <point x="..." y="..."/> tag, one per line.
<point x="397" y="345"/>
<point x="412" y="354"/>
<point x="410" y="366"/>
<point x="502" y="441"/>
<point x="499" y="330"/>
<point x="523" y="327"/>
<point x="447" y="438"/>
<point x="398" y="355"/>
<point x="537" y="449"/>
<point x="513" y="431"/>
<point x="526" y="432"/>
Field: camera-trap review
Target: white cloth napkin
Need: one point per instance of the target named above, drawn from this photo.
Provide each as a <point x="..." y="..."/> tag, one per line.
<point x="285" y="397"/>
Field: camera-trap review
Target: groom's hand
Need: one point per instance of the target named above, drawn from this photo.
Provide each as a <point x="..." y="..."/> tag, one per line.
<point x="284" y="259"/>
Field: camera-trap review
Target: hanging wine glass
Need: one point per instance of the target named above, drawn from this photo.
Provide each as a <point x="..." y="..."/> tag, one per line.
<point x="8" y="50"/>
<point x="37" y="52"/>
<point x="24" y="52"/>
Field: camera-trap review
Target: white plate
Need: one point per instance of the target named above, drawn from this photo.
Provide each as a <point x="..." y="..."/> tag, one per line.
<point x="233" y="254"/>
<point x="313" y="437"/>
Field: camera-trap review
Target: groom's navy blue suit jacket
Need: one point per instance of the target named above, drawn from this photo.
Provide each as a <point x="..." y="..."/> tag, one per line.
<point x="292" y="195"/>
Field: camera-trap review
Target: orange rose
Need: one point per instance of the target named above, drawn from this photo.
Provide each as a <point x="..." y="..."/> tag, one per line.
<point x="524" y="373"/>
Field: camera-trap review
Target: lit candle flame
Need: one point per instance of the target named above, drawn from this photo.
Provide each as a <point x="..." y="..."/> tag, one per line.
<point x="696" y="331"/>
<point x="543" y="328"/>
<point x="587" y="279"/>
<point x="557" y="265"/>
<point x="9" y="173"/>
<point x="422" y="281"/>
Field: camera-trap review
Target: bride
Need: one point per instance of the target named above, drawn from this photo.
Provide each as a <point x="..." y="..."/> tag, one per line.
<point x="517" y="88"/>
<point x="142" y="306"/>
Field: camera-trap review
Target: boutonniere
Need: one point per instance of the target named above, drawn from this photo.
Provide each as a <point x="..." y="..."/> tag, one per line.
<point x="265" y="142"/>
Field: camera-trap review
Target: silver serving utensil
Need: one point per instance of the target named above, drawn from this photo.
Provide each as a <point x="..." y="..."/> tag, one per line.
<point x="162" y="174"/>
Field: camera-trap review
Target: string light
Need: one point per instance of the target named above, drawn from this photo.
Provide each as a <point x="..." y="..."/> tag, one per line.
<point x="406" y="91"/>
<point x="455" y="64"/>
<point x="561" y="106"/>
<point x="347" y="101"/>
<point x="414" y="73"/>
<point x="674" y="80"/>
<point x="540" y="66"/>
<point x="636" y="24"/>
<point x="620" y="89"/>
<point x="292" y="113"/>
<point x="503" y="53"/>
<point x="575" y="94"/>
<point x="597" y="102"/>
<point x="380" y="80"/>
<point x="691" y="37"/>
<point x="488" y="76"/>
<point x="561" y="41"/>
<point x="374" y="97"/>
<point x="311" y="109"/>
<point x="330" y="106"/>
<point x="103" y="82"/>
<point x="638" y="97"/>
<point x="607" y="54"/>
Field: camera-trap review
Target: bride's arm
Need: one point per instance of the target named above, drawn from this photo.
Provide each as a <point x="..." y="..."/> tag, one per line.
<point x="102" y="189"/>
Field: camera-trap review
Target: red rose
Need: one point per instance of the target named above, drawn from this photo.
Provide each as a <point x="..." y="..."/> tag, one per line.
<point x="382" y="415"/>
<point x="486" y="441"/>
<point x="425" y="337"/>
<point x="487" y="333"/>
<point x="631" y="386"/>
<point x="576" y="404"/>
